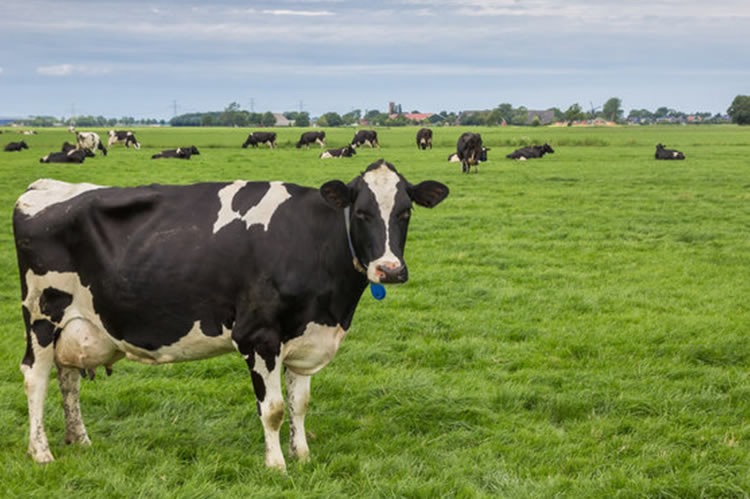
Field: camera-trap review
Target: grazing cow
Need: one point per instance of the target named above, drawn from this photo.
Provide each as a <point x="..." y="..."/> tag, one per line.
<point x="163" y="273"/>
<point x="179" y="153"/>
<point x="16" y="146"/>
<point x="366" y="137"/>
<point x="529" y="152"/>
<point x="308" y="138"/>
<point x="91" y="141"/>
<point x="125" y="136"/>
<point x="424" y="138"/>
<point x="255" y="138"/>
<point x="470" y="151"/>
<point x="27" y="132"/>
<point x="664" y="153"/>
<point x="344" y="152"/>
<point x="74" y="156"/>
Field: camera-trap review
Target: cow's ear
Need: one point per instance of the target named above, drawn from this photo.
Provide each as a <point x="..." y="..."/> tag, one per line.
<point x="336" y="194"/>
<point x="428" y="193"/>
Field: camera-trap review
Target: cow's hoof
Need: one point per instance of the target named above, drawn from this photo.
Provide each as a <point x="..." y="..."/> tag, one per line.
<point x="41" y="457"/>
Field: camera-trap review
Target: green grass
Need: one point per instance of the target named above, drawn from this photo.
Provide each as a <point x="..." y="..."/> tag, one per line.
<point x="573" y="326"/>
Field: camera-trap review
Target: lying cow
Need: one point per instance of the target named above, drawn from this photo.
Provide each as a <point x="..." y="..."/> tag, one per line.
<point x="308" y="138"/>
<point x="16" y="146"/>
<point x="664" y="153"/>
<point x="470" y="151"/>
<point x="344" y="152"/>
<point x="91" y="141"/>
<point x="529" y="152"/>
<point x="112" y="272"/>
<point x="366" y="137"/>
<point x="424" y="138"/>
<point x="124" y="136"/>
<point x="255" y="138"/>
<point x="74" y="156"/>
<point x="179" y="153"/>
<point x="67" y="147"/>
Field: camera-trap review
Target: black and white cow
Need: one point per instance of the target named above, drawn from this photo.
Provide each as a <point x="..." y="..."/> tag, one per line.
<point x="67" y="148"/>
<point x="164" y="273"/>
<point x="179" y="153"/>
<point x="664" y="153"/>
<point x="308" y="138"/>
<point x="366" y="137"/>
<point x="16" y="146"/>
<point x="125" y="136"/>
<point x="91" y="141"/>
<point x="73" y="156"/>
<point x="530" y="152"/>
<point x="424" y="138"/>
<point x="344" y="152"/>
<point x="470" y="151"/>
<point x="255" y="138"/>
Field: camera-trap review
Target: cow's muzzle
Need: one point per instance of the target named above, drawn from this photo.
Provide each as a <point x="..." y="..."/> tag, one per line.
<point x="392" y="273"/>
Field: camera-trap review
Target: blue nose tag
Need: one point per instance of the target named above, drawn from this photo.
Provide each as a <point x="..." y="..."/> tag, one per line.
<point x="377" y="290"/>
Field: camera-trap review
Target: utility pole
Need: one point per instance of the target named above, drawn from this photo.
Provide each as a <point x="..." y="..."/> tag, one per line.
<point x="252" y="105"/>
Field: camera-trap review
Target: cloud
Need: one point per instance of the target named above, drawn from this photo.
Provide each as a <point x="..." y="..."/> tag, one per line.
<point x="69" y="69"/>
<point x="1" y="70"/>
<point x="308" y="13"/>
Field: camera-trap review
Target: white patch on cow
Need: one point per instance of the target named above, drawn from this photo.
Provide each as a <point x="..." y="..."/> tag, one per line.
<point x="194" y="345"/>
<point x="260" y="214"/>
<point x="321" y="142"/>
<point x="522" y="158"/>
<point x="326" y="155"/>
<point x="47" y="192"/>
<point x="383" y="183"/>
<point x="675" y="154"/>
<point x="271" y="410"/>
<point x="311" y="352"/>
<point x="453" y="158"/>
<point x="87" y="140"/>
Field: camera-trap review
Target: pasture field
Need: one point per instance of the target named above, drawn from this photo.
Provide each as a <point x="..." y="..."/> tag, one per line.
<point x="574" y="326"/>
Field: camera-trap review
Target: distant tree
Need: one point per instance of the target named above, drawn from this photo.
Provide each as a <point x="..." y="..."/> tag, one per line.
<point x="505" y="112"/>
<point x="331" y="119"/>
<point x="352" y="117"/>
<point x="559" y="115"/>
<point x="302" y="119"/>
<point x="470" y="119"/>
<point x="268" y="119"/>
<point x="739" y="111"/>
<point x="291" y="115"/>
<point x="536" y="121"/>
<point x="612" y="109"/>
<point x="573" y="113"/>
<point x="520" y="115"/>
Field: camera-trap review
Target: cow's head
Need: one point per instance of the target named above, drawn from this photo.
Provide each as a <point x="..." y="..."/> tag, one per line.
<point x="546" y="148"/>
<point x="24" y="145"/>
<point x="380" y="202"/>
<point x="349" y="151"/>
<point x="483" y="153"/>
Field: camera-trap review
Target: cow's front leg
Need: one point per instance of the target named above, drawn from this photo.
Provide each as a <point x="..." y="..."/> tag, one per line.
<point x="297" y="397"/>
<point x="264" y="360"/>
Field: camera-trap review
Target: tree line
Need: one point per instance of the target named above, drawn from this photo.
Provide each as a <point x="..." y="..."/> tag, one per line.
<point x="505" y="113"/>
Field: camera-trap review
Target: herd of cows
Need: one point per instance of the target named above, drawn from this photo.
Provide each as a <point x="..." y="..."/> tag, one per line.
<point x="110" y="273"/>
<point x="469" y="149"/>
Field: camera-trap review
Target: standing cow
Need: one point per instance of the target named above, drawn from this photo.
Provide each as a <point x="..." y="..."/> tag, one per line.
<point x="164" y="273"/>
<point x="308" y="138"/>
<point x="124" y="136"/>
<point x="255" y="138"/>
<point x="366" y="137"/>
<point x="90" y="141"/>
<point x="424" y="138"/>
<point x="470" y="151"/>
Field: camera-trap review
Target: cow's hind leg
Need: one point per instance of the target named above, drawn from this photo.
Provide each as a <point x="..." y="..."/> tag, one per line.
<point x="297" y="398"/>
<point x="36" y="367"/>
<point x="70" y="380"/>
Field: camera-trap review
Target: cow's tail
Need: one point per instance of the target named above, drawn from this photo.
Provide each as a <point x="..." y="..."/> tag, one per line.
<point x="102" y="148"/>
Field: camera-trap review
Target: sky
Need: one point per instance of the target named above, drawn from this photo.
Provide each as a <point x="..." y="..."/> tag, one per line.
<point x="146" y="59"/>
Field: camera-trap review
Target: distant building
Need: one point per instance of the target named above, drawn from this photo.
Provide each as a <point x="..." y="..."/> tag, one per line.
<point x="545" y="117"/>
<point x="282" y="120"/>
<point x="418" y="117"/>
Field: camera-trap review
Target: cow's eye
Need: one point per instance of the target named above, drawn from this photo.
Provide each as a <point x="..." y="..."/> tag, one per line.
<point x="404" y="215"/>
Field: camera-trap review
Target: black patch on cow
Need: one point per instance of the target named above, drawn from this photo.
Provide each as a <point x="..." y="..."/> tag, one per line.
<point x="44" y="331"/>
<point x="28" y="358"/>
<point x="53" y="303"/>
<point x="260" y="388"/>
<point x="247" y="197"/>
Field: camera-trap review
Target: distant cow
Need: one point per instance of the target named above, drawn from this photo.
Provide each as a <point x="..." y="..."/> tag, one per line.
<point x="67" y="147"/>
<point x="74" y="156"/>
<point x="255" y="138"/>
<point x="664" y="153"/>
<point x="470" y="151"/>
<point x="16" y="146"/>
<point x="90" y="140"/>
<point x="27" y="132"/>
<point x="366" y="137"/>
<point x="308" y="138"/>
<point x="530" y="152"/>
<point x="344" y="152"/>
<point x="125" y="136"/>
<point x="179" y="153"/>
<point x="424" y="138"/>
